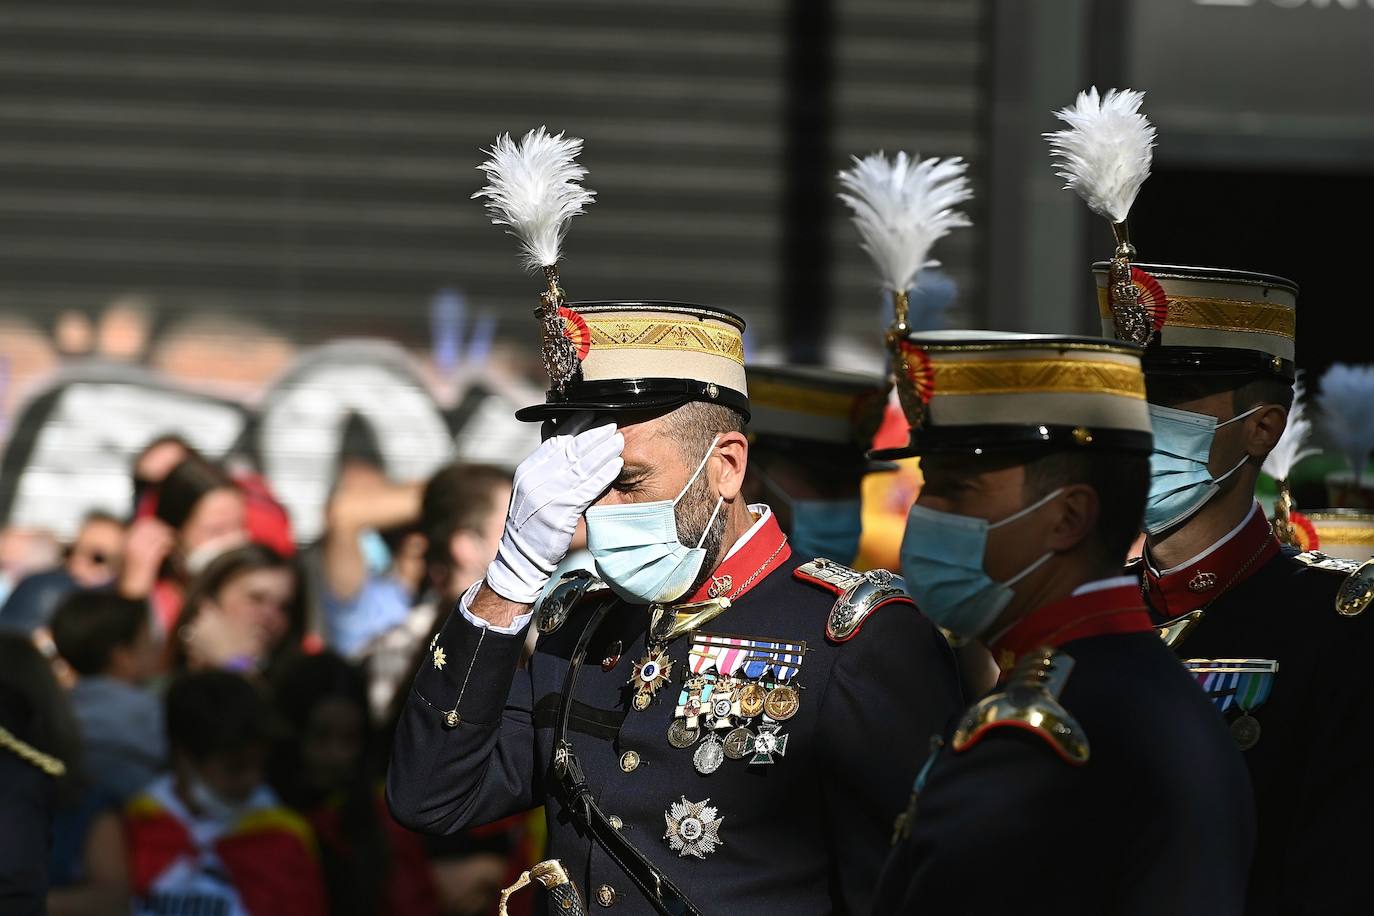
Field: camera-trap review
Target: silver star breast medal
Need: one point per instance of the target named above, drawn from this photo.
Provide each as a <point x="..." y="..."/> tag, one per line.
<point x="693" y="828"/>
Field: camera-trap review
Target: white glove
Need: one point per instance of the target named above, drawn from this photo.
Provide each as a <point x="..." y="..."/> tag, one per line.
<point x="551" y="490"/>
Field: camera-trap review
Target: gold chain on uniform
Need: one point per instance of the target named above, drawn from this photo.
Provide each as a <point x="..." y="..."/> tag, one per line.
<point x="766" y="563"/>
<point x="30" y="754"/>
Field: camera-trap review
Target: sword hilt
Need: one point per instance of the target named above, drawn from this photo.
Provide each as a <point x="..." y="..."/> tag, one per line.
<point x="553" y="877"/>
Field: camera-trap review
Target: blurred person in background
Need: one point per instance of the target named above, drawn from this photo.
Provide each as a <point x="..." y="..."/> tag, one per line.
<point x="60" y="839"/>
<point x="808" y="434"/>
<point x="107" y="641"/>
<point x="198" y="514"/>
<point x="372" y="563"/>
<point x="96" y="553"/>
<point x="462" y="512"/>
<point x="24" y="551"/>
<point x="211" y="837"/>
<point x="244" y="612"/>
<point x="266" y="519"/>
<point x="326" y="767"/>
<point x="154" y="463"/>
<point x="92" y="561"/>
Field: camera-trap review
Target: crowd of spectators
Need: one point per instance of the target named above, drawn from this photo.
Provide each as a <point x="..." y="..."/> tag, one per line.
<point x="195" y="711"/>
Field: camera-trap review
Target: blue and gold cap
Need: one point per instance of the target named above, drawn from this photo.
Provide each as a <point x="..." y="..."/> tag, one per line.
<point x="815" y="408"/>
<point x="1209" y="320"/>
<point x="646" y="355"/>
<point x="983" y="392"/>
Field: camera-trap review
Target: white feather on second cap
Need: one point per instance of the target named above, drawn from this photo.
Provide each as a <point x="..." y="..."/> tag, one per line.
<point x="902" y="207"/>
<point x="1347" y="401"/>
<point x="1292" y="446"/>
<point x="534" y="187"/>
<point x="1105" y="152"/>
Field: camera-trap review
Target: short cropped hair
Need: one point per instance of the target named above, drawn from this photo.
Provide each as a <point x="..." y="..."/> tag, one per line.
<point x="1247" y="390"/>
<point x="210" y="713"/>
<point x="89" y="625"/>
<point x="696" y="423"/>
<point x="1121" y="482"/>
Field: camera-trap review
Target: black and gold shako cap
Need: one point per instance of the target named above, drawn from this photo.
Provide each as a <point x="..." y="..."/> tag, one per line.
<point x="1211" y="320"/>
<point x="647" y="355"/>
<point x="982" y="392"/>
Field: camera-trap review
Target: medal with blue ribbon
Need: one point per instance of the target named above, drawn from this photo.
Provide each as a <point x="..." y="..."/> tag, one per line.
<point x="1241" y="683"/>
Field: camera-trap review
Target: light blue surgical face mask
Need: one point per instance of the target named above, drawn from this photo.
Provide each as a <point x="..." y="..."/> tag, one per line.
<point x="829" y="528"/>
<point x="1180" y="483"/>
<point x="942" y="562"/>
<point x="636" y="549"/>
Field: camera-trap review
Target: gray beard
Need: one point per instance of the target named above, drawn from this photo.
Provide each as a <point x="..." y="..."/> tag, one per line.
<point x="692" y="512"/>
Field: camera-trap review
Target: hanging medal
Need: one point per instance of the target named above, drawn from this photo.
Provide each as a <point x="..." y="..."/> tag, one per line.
<point x="709" y="755"/>
<point x="1243" y="683"/>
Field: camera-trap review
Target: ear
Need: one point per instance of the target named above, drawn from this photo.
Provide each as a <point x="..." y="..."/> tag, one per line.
<point x="1264" y="429"/>
<point x="727" y="465"/>
<point x="1078" y="510"/>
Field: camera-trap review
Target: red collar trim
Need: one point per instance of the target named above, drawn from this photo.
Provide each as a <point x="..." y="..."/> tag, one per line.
<point x="766" y="550"/>
<point x="1188" y="588"/>
<point x="1097" y="613"/>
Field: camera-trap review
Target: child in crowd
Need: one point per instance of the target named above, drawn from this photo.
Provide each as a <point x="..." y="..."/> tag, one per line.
<point x="107" y="641"/>
<point x="326" y="767"/>
<point x="211" y="837"/>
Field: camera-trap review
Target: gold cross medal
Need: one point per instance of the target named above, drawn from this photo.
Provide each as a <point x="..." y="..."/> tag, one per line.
<point x="650" y="673"/>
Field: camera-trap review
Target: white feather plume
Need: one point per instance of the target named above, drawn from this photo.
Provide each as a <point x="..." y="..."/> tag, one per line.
<point x="1105" y="152"/>
<point x="1347" y="401"/>
<point x="534" y="187"/>
<point x="1292" y="446"/>
<point x="902" y="207"/>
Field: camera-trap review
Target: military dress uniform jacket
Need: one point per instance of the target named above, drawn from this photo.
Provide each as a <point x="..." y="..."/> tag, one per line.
<point x="804" y="834"/>
<point x="1098" y="781"/>
<point x="1291" y="675"/>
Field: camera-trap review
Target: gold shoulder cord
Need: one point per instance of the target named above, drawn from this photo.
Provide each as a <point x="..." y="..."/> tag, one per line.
<point x="30" y="754"/>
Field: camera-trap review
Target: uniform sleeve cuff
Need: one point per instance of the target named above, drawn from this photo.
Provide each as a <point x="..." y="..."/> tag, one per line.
<point x="466" y="674"/>
<point x="512" y="629"/>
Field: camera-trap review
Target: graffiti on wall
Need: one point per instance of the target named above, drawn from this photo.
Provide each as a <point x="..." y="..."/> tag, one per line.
<point x="72" y="444"/>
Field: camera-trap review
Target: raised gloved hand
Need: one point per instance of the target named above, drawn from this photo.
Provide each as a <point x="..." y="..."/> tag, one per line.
<point x="551" y="490"/>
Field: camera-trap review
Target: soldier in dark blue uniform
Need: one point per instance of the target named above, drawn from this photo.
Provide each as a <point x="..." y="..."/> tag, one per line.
<point x="1277" y="637"/>
<point x="1095" y="778"/>
<point x="715" y="723"/>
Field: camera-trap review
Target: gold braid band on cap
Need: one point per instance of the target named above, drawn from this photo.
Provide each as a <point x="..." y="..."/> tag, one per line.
<point x="1221" y="315"/>
<point x="1037" y="376"/>
<point x="659" y="334"/>
<point x="803" y="400"/>
<point x="1355" y="535"/>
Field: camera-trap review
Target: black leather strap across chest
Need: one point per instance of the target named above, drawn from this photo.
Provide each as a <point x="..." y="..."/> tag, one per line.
<point x="577" y="796"/>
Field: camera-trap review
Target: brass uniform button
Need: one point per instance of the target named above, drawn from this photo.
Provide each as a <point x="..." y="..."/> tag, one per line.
<point x="629" y="761"/>
<point x="615" y="822"/>
<point x="606" y="895"/>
